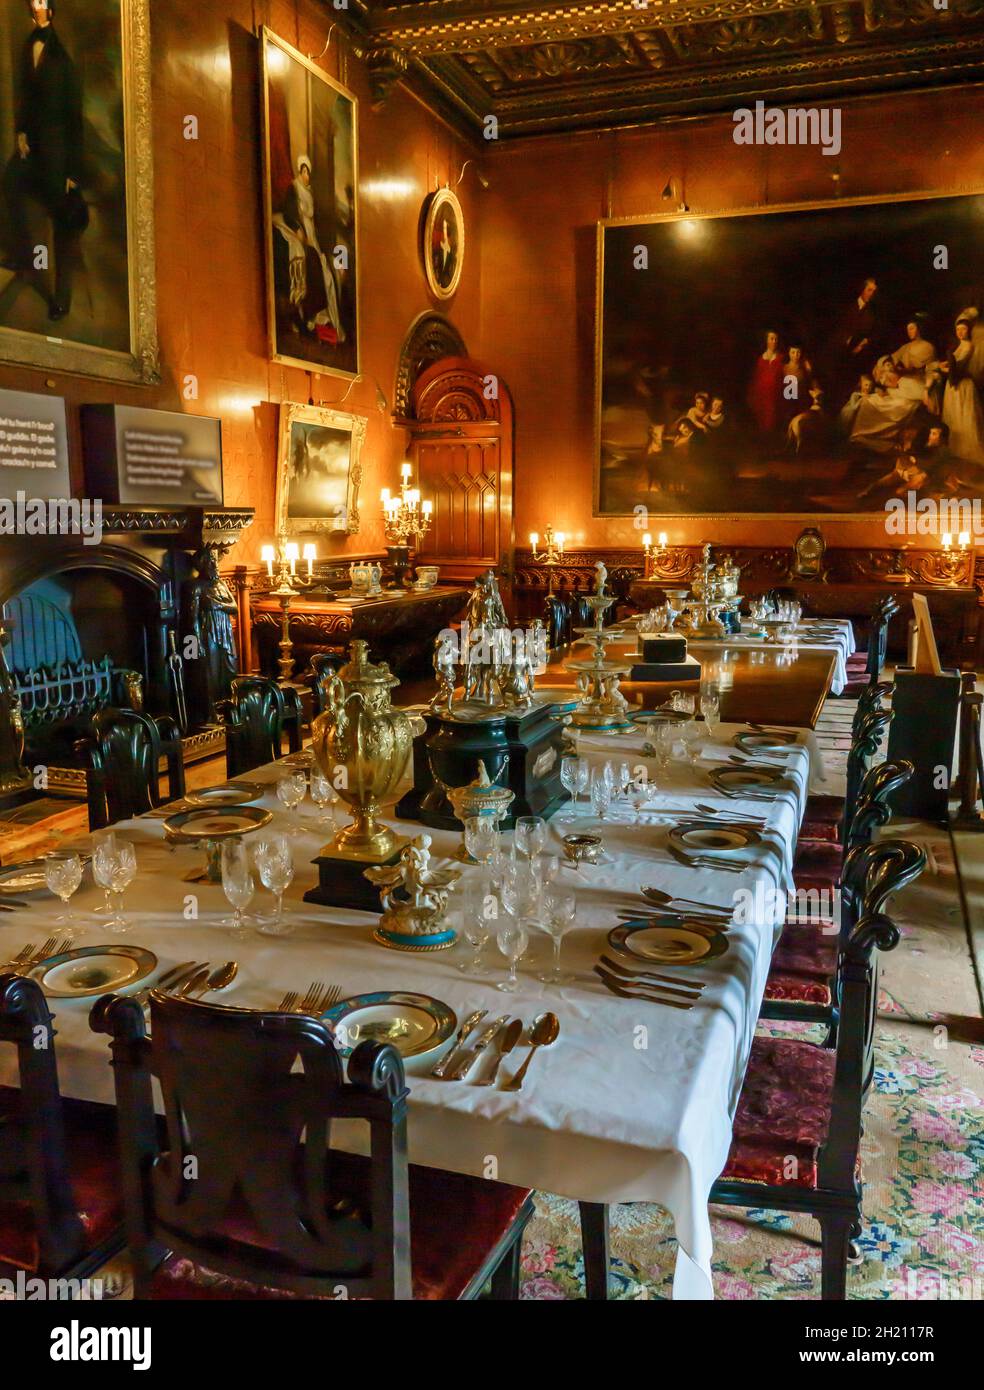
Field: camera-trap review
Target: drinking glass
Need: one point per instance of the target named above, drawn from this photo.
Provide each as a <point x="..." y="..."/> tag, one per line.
<point x="122" y="874"/>
<point x="574" y="779"/>
<point x="478" y="911"/>
<point x="530" y="835"/>
<point x="291" y="789"/>
<point x="323" y="794"/>
<point x="559" y="905"/>
<point x="546" y="868"/>
<point x="63" y="874"/>
<point x="102" y="860"/>
<point x="692" y="737"/>
<point x="482" y="838"/>
<point x="275" y="865"/>
<point x="710" y="708"/>
<point x="600" y="792"/>
<point x="237" y="884"/>
<point x="512" y="939"/>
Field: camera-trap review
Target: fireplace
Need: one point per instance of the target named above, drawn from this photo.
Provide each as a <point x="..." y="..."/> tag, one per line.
<point x="91" y="626"/>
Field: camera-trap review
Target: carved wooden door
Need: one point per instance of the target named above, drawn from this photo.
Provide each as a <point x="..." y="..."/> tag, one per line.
<point x="461" y="444"/>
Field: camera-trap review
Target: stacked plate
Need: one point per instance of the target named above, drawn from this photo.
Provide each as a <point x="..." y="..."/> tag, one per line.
<point x="678" y="943"/>
<point x="419" y="1027"/>
<point x="747" y="783"/>
<point x="228" y="794"/>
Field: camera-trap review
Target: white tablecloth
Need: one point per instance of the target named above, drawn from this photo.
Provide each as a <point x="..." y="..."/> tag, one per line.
<point x="840" y="643"/>
<point x="634" y="1101"/>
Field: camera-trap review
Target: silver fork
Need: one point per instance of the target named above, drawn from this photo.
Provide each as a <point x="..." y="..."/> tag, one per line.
<point x="24" y="954"/>
<point x="51" y="947"/>
<point x="318" y="998"/>
<point x="286" y="1005"/>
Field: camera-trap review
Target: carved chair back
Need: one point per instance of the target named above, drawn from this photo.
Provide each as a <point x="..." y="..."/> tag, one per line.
<point x="869" y="701"/>
<point x="122" y="760"/>
<point x="323" y="666"/>
<point x="882" y="614"/>
<point x="33" y="1158"/>
<point x="866" y="742"/>
<point x="880" y="869"/>
<point x="244" y="1181"/>
<point x="256" y="716"/>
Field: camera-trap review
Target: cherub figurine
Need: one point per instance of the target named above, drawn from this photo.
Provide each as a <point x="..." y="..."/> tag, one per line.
<point x="445" y="669"/>
<point x="413" y="895"/>
<point x="601" y="571"/>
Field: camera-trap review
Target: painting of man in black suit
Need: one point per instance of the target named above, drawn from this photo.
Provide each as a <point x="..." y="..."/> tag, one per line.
<point x="46" y="165"/>
<point x="63" y="234"/>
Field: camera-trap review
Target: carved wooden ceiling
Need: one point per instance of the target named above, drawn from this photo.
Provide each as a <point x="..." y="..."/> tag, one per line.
<point x="551" y="65"/>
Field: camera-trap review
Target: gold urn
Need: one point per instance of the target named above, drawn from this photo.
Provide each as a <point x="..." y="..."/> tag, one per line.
<point x="362" y="736"/>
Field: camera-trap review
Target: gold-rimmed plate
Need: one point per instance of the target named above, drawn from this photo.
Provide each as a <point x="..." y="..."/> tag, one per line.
<point x="752" y="779"/>
<point x="28" y="877"/>
<point x="705" y="838"/>
<point x="88" y="970"/>
<point x="415" y="1024"/>
<point x="228" y="794"/>
<point x="216" y="823"/>
<point x="682" y="943"/>
<point x="764" y="743"/>
<point x="302" y="760"/>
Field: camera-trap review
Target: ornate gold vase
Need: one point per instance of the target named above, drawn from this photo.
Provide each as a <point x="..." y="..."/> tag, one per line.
<point x="361" y="733"/>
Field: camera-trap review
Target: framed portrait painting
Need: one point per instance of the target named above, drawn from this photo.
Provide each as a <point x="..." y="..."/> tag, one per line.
<point x="800" y="361"/>
<point x="319" y="470"/>
<point x="310" y="179"/>
<point x="443" y="242"/>
<point x="77" y="275"/>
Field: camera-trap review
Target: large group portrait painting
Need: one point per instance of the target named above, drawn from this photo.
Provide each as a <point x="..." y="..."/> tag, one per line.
<point x="805" y="361"/>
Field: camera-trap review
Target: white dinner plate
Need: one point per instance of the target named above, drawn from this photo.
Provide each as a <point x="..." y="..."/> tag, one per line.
<point x="229" y="794"/>
<point x="712" y="839"/>
<point x="764" y="743"/>
<point x="680" y="944"/>
<point x="734" y="778"/>
<point x="415" y="1024"/>
<point x="89" y="970"/>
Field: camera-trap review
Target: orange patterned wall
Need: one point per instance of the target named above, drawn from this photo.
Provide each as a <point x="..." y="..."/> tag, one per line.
<point x="210" y="254"/>
<point x="538" y="308"/>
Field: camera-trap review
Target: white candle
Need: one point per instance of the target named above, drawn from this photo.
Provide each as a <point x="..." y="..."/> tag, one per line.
<point x="405" y="470"/>
<point x="662" y="540"/>
<point x="534" y="538"/>
<point x="310" y="553"/>
<point x="947" y="540"/>
<point x="266" y="555"/>
<point x="647" y="541"/>
<point x="292" y="551"/>
<point x="964" y="540"/>
<point x="428" y="507"/>
<point x="385" y="495"/>
<point x="560" y="540"/>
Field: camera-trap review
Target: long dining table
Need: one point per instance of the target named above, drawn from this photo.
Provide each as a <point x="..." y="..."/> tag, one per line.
<point x="633" y="1102"/>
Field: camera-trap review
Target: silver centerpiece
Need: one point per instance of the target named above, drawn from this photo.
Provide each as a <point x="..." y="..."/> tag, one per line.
<point x="602" y="704"/>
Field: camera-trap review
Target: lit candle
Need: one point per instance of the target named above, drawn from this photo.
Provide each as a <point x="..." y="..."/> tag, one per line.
<point x="385" y="495"/>
<point x="662" y="540"/>
<point x="947" y="540"/>
<point x="266" y="555"/>
<point x="534" y="538"/>
<point x="964" y="540"/>
<point x="560" y="540"/>
<point x="292" y="551"/>
<point x="405" y="470"/>
<point x="310" y="553"/>
<point x="428" y="507"/>
<point x="647" y="541"/>
<point x="413" y="497"/>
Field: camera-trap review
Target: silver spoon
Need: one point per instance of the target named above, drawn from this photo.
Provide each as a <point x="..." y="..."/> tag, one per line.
<point x="542" y="1034"/>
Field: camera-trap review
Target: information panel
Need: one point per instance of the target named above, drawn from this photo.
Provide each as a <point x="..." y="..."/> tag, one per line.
<point x="33" y="446"/>
<point x="137" y="456"/>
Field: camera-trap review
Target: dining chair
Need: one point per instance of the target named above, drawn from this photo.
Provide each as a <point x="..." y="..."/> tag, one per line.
<point x="874" y="657"/>
<point x="801" y="983"/>
<point x="244" y="1196"/>
<point x="557" y="620"/>
<point x="122" y="759"/>
<point x="798" y="1124"/>
<point x="823" y="818"/>
<point x="323" y="666"/>
<point x="61" y="1213"/>
<point x="866" y="744"/>
<point x="256" y="716"/>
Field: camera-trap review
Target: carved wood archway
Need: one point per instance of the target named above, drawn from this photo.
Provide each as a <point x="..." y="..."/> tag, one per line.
<point x="461" y="442"/>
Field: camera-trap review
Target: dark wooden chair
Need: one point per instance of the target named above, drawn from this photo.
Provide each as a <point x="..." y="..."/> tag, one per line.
<point x="865" y="668"/>
<point x="257" y="715"/>
<point x="801" y="983"/>
<point x="244" y="1197"/>
<point x="122" y="759"/>
<point x="557" y="620"/>
<point x="61" y="1211"/>
<point x="798" y="1125"/>
<point x="797" y="1128"/>
<point x="825" y="814"/>
<point x="323" y="667"/>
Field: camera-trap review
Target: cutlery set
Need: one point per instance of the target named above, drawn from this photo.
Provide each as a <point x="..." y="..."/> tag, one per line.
<point x="318" y="998"/>
<point x="191" y="980"/>
<point x="497" y="1039"/>
<point x="30" y="956"/>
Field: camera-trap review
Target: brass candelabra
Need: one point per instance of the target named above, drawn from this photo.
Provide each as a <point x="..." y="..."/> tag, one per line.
<point x="281" y="561"/>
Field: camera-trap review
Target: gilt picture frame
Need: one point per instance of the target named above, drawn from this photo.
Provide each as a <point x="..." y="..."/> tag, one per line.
<point x="684" y="304"/>
<point x="319" y="470"/>
<point x="442" y="246"/>
<point x="80" y="296"/>
<point x="311" y="214"/>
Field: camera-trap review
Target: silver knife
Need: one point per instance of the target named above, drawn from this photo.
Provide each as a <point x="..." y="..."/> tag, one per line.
<point x="472" y="1053"/>
<point x="456" y="1049"/>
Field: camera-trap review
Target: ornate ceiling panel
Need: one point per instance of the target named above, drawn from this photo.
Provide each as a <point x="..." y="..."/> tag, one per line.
<point x="549" y="65"/>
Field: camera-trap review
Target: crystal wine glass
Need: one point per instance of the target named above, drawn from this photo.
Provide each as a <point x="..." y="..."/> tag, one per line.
<point x="571" y="768"/>
<point x="122" y="874"/>
<point x="482" y="838"/>
<point x="63" y="874"/>
<point x="324" y="795"/>
<point x="291" y="789"/>
<point x="102" y="864"/>
<point x="237" y="884"/>
<point x="710" y="708"/>
<point x="559" y="905"/>
<point x="600" y="792"/>
<point x="530" y="835"/>
<point x="275" y="865"/>
<point x="512" y="939"/>
<point x="477" y="914"/>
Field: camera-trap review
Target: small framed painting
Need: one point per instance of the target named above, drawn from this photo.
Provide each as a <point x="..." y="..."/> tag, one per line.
<point x="443" y="242"/>
<point x="319" y="470"/>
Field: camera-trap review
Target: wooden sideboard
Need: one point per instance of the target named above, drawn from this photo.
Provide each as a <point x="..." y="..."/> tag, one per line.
<point x="399" y="626"/>
<point x="851" y="580"/>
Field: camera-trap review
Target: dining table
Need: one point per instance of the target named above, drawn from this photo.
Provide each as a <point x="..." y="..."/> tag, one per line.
<point x="833" y="635"/>
<point x="633" y="1102"/>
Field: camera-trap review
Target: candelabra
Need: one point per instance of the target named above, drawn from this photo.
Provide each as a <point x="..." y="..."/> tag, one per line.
<point x="955" y="565"/>
<point x="552" y="555"/>
<point x="281" y="562"/>
<point x="406" y="520"/>
<point x="653" y="555"/>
